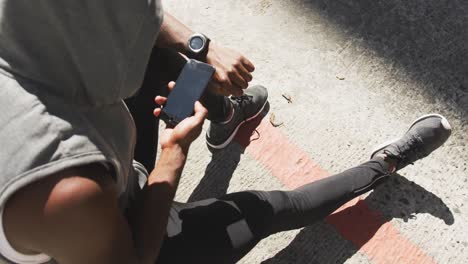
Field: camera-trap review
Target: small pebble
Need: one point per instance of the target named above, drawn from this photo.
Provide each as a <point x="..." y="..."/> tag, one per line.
<point x="341" y="78"/>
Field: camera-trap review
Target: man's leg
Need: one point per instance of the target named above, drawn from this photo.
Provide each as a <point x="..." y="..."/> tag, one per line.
<point x="315" y="201"/>
<point x="218" y="106"/>
<point x="223" y="230"/>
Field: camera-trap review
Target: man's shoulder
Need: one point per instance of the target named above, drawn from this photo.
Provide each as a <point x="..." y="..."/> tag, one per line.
<point x="44" y="214"/>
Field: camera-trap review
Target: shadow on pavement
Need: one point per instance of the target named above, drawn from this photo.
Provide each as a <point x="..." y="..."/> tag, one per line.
<point x="425" y="40"/>
<point x="224" y="162"/>
<point x="218" y="173"/>
<point x="397" y="198"/>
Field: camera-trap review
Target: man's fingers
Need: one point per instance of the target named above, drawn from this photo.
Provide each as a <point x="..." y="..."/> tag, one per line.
<point x="245" y="73"/>
<point x="236" y="90"/>
<point x="237" y="79"/>
<point x="229" y="84"/>
<point x="215" y="88"/>
<point x="248" y="64"/>
<point x="160" y="100"/>
<point x="196" y="120"/>
<point x="157" y="112"/>
<point x="200" y="111"/>
<point x="171" y="85"/>
<point x="225" y="87"/>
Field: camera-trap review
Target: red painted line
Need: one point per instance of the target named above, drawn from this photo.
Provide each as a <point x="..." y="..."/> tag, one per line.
<point x="355" y="221"/>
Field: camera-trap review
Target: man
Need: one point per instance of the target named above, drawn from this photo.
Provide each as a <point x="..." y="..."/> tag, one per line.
<point x="69" y="189"/>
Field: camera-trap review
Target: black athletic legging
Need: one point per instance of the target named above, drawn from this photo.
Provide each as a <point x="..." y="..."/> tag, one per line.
<point x="225" y="229"/>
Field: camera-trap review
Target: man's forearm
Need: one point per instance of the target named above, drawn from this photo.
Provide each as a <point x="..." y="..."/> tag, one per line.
<point x="157" y="198"/>
<point x="173" y="34"/>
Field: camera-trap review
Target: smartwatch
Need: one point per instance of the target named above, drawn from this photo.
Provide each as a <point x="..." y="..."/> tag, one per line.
<point x="198" y="45"/>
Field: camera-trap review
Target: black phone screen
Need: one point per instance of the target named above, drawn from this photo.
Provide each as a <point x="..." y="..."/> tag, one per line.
<point x="189" y="87"/>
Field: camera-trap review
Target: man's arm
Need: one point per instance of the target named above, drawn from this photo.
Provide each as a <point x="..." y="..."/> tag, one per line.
<point x="173" y="34"/>
<point x="73" y="216"/>
<point x="233" y="70"/>
<point x="156" y="200"/>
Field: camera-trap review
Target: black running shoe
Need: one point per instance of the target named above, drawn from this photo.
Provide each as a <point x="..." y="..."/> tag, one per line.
<point x="245" y="107"/>
<point x="424" y="136"/>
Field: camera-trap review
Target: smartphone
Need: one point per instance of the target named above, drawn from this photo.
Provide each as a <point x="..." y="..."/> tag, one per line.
<point x="189" y="87"/>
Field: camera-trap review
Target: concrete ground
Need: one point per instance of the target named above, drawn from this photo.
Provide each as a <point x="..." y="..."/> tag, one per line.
<point x="358" y="73"/>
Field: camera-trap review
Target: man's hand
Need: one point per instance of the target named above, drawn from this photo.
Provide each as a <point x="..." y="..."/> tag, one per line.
<point x="233" y="71"/>
<point x="186" y="131"/>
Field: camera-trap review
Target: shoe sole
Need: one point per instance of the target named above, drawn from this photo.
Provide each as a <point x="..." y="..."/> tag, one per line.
<point x="444" y="121"/>
<point x="231" y="137"/>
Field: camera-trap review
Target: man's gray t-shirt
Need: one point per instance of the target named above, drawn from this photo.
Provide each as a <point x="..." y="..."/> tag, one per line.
<point x="65" y="67"/>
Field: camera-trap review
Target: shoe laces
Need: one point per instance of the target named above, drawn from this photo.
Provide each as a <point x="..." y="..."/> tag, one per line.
<point x="242" y="101"/>
<point x="412" y="150"/>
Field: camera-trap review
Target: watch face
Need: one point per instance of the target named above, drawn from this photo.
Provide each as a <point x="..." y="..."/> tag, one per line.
<point x="196" y="43"/>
